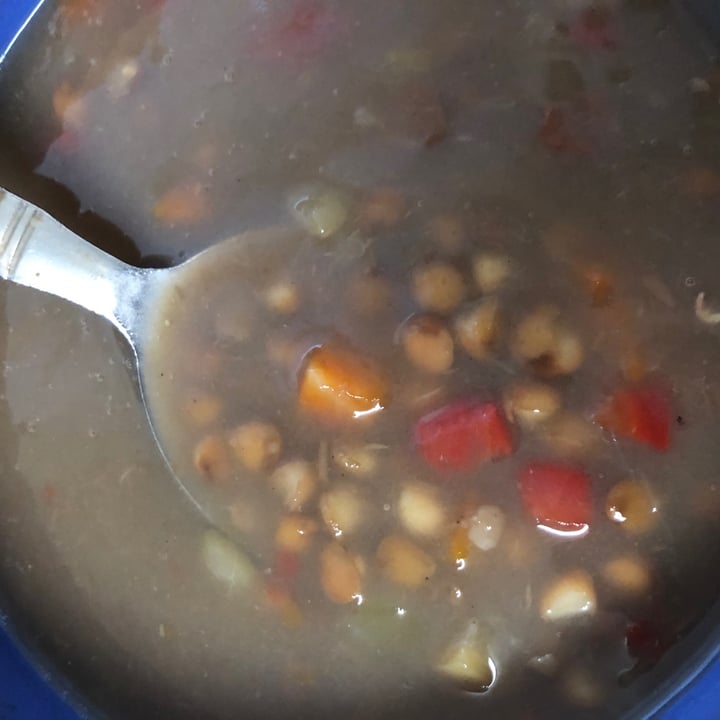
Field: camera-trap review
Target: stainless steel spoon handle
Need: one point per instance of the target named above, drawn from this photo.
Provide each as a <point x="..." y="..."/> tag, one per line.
<point x="40" y="253"/>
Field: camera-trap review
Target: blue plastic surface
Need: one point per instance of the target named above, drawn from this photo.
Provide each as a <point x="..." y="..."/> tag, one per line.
<point x="24" y="695"/>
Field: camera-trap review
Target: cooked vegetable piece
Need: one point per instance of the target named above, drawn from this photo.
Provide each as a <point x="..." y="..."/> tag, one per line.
<point x="462" y="435"/>
<point x="638" y="413"/>
<point x="343" y="509"/>
<point x="404" y="563"/>
<point x="490" y="271"/>
<point x="227" y="562"/>
<point x="340" y="574"/>
<point x="557" y="496"/>
<point x="530" y="404"/>
<point x="295" y="532"/>
<point x="485" y="527"/>
<point x="628" y="573"/>
<point x="212" y="458"/>
<point x="182" y="205"/>
<point x="204" y="408"/>
<point x="340" y="385"/>
<point x="319" y="210"/>
<point x="468" y="665"/>
<point x="571" y="595"/>
<point x="295" y="482"/>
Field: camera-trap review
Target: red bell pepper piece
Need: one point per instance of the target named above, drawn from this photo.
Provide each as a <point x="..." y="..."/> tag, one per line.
<point x="556" y="496"/>
<point x="462" y="435"/>
<point x="640" y="413"/>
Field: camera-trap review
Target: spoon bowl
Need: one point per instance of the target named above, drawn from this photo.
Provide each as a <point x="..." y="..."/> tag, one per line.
<point x="38" y="252"/>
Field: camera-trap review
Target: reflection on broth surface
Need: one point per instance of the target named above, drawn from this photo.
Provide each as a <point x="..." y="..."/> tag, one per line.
<point x="459" y="424"/>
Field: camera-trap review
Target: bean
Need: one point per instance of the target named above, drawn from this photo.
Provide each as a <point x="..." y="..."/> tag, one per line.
<point x="427" y="344"/>
<point x="340" y="574"/>
<point x="343" y="509"/>
<point x="530" y="404"/>
<point x="476" y="328"/>
<point x="404" y="563"/>
<point x="203" y="409"/>
<point x="226" y="562"/>
<point x="257" y="445"/>
<point x="212" y="459"/>
<point x="282" y="297"/>
<point x="353" y="458"/>
<point x="490" y="271"/>
<point x="295" y="482"/>
<point x="295" y="533"/>
<point x="420" y="510"/>
<point x="628" y="573"/>
<point x="438" y="287"/>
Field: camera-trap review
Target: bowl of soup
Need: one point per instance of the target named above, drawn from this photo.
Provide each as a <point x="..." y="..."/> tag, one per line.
<point x="450" y="444"/>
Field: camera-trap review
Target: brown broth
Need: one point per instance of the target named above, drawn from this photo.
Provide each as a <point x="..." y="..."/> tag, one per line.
<point x="546" y="143"/>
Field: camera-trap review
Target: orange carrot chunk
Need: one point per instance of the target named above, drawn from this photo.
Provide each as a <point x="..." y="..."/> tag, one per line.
<point x="339" y="385"/>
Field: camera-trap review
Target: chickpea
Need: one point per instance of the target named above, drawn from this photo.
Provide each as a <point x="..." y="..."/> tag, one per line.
<point x="628" y="573"/>
<point x="343" y="509"/>
<point x="570" y="434"/>
<point x="569" y="596"/>
<point x="420" y="510"/>
<point x="369" y="294"/>
<point x="404" y="563"/>
<point x="211" y="458"/>
<point x="295" y="533"/>
<point x="340" y="574"/>
<point x="548" y="347"/>
<point x="257" y="445"/>
<point x="490" y="271"/>
<point x="203" y="409"/>
<point x="384" y="208"/>
<point x="448" y="232"/>
<point x="427" y="344"/>
<point x="360" y="460"/>
<point x="295" y="482"/>
<point x="438" y="287"/>
<point x="476" y="328"/>
<point x="631" y="504"/>
<point x="530" y="404"/>
<point x="282" y="297"/>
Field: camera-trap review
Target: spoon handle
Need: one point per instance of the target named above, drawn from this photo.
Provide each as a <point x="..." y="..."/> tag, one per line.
<point x="40" y="253"/>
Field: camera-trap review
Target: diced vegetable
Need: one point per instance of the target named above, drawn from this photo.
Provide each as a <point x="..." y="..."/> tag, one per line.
<point x="557" y="496"/>
<point x="404" y="563"/>
<point x="462" y="435"/>
<point x="468" y="665"/>
<point x="343" y="509"/>
<point x="339" y="385"/>
<point x="530" y="404"/>
<point x="420" y="510"/>
<point x="459" y="546"/>
<point x="295" y="482"/>
<point x="476" y="328"/>
<point x="257" y="445"/>
<point x="427" y="344"/>
<point x="547" y="346"/>
<point x="295" y="533"/>
<point x="630" y="503"/>
<point x="569" y="596"/>
<point x="212" y="458"/>
<point x="226" y="562"/>
<point x="490" y="271"/>
<point x="639" y="413"/>
<point x="340" y="574"/>
<point x="438" y="287"/>
<point x="319" y="210"/>
<point x="485" y="527"/>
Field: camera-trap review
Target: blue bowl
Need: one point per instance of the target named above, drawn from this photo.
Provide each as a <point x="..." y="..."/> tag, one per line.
<point x="29" y="693"/>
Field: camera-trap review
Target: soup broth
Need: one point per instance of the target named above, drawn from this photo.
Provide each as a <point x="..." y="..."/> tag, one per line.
<point x="455" y="416"/>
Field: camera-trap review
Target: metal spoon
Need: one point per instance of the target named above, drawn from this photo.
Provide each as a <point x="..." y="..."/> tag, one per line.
<point x="38" y="252"/>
